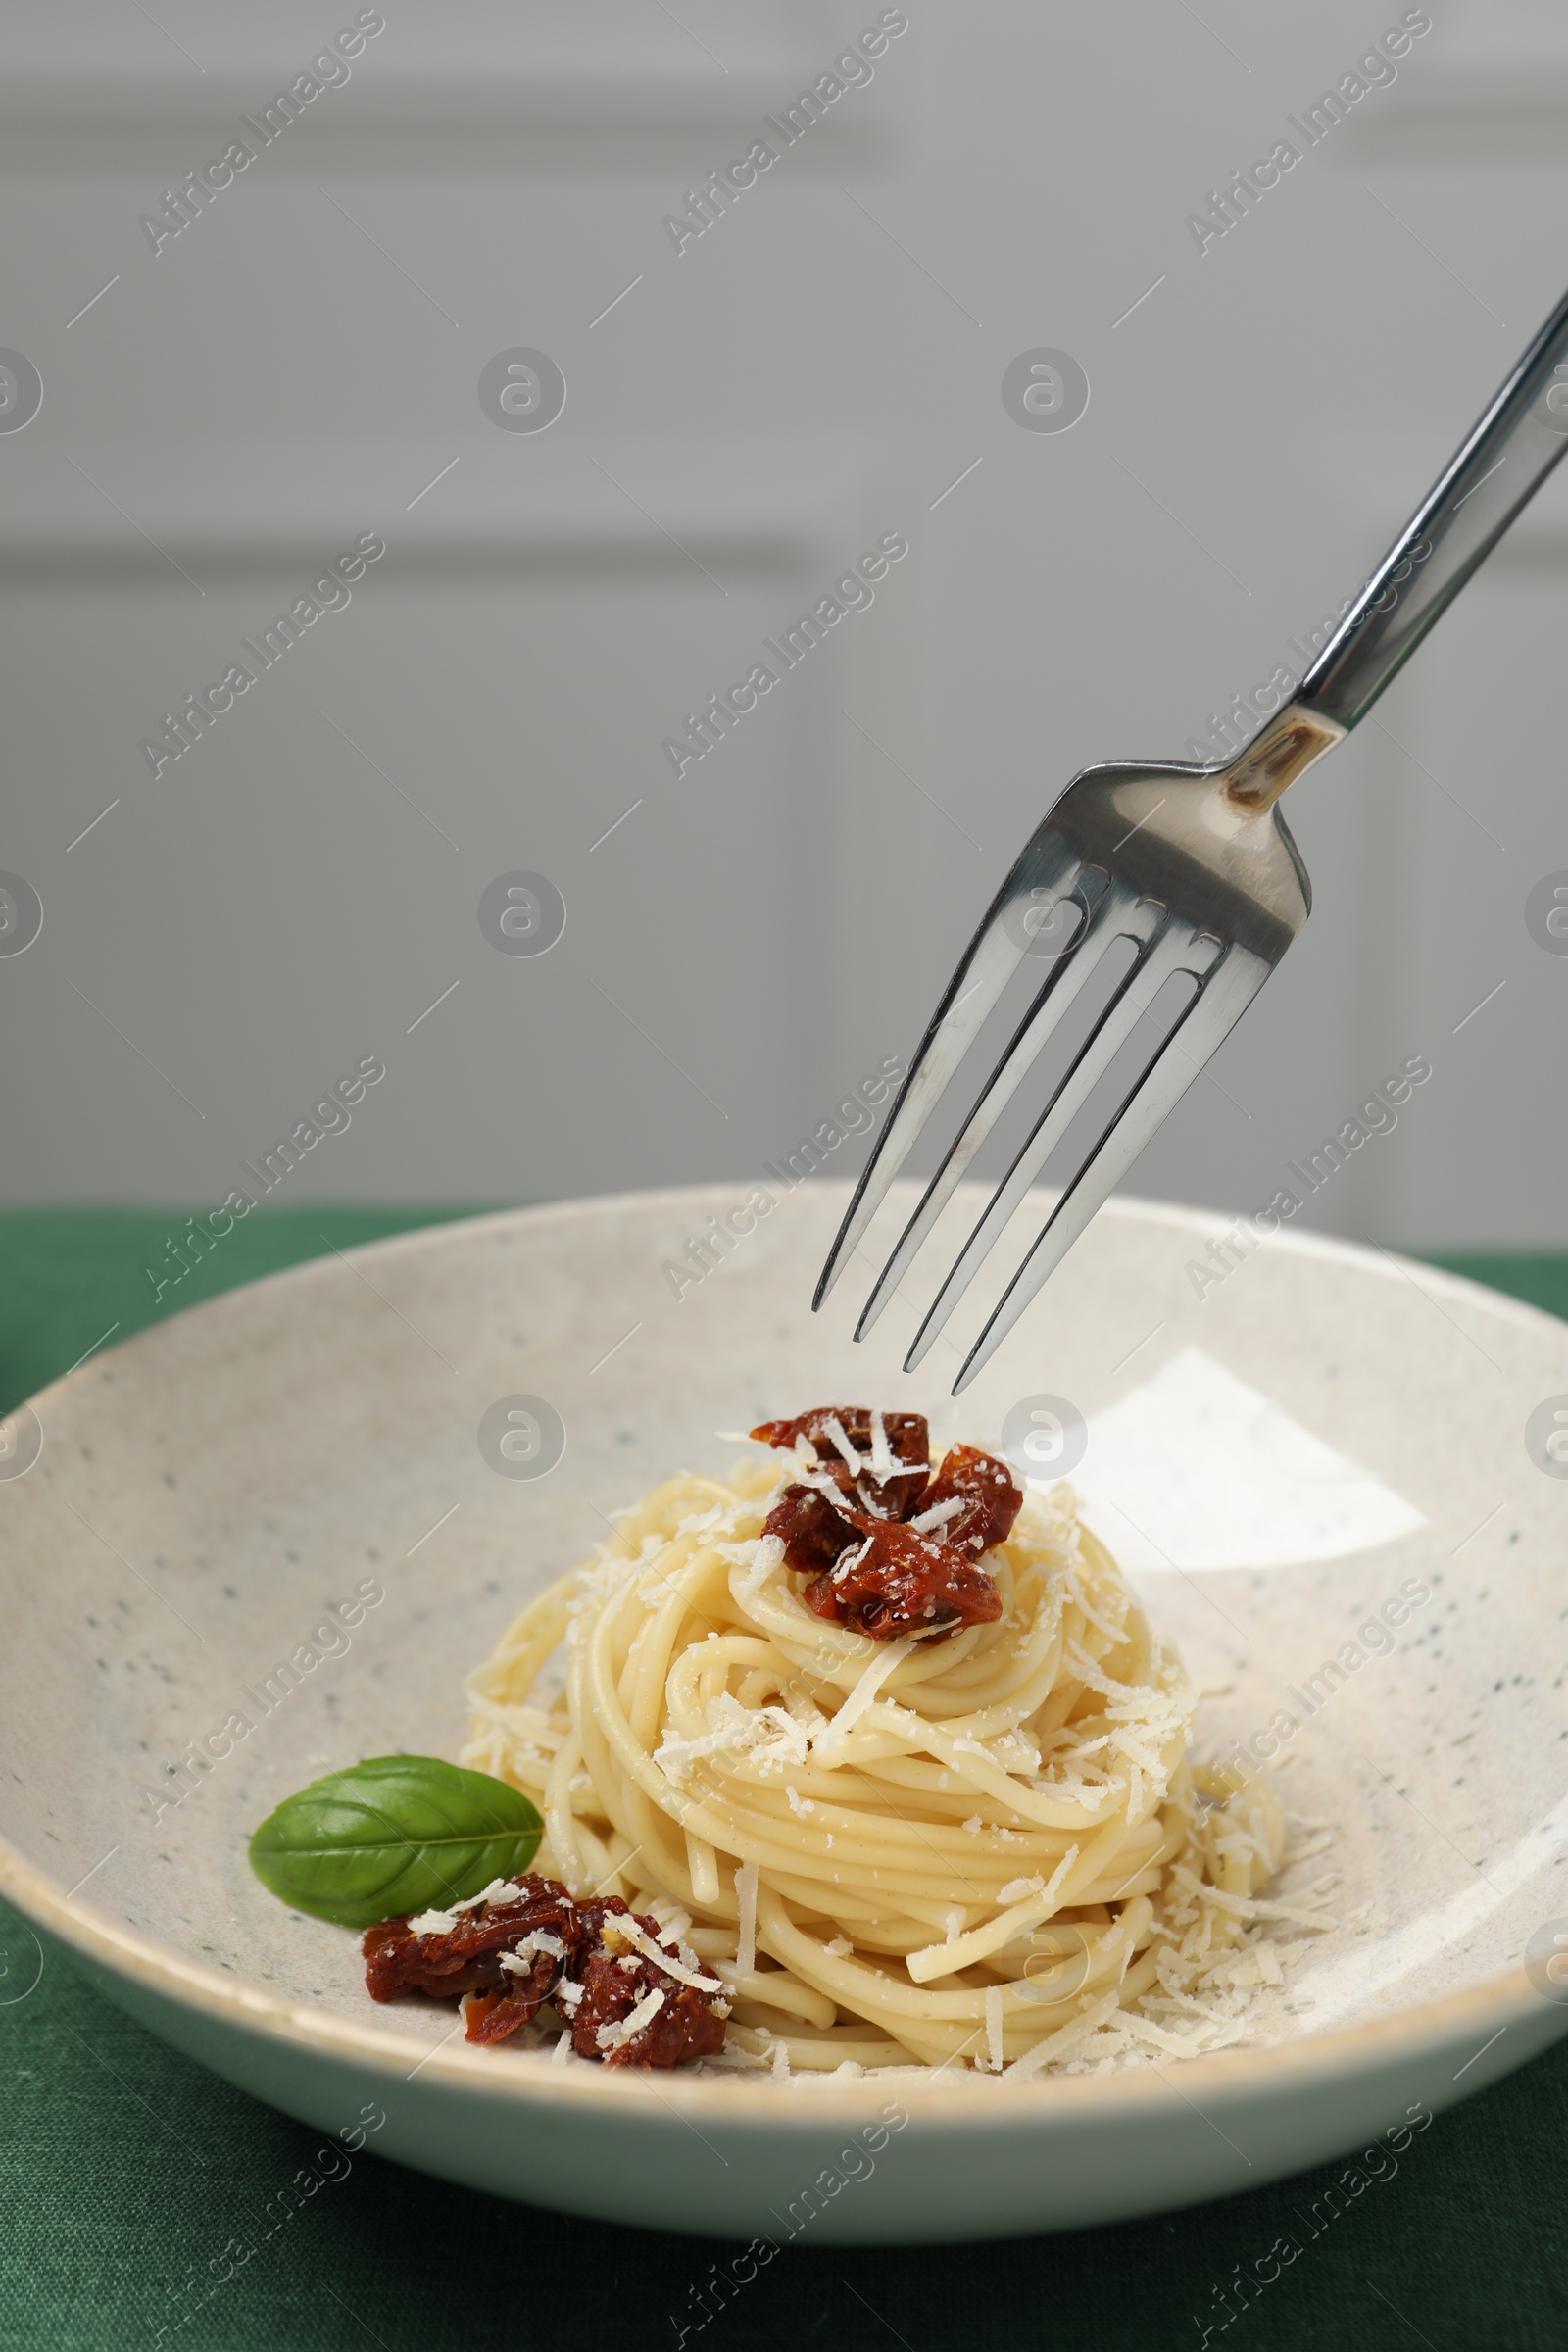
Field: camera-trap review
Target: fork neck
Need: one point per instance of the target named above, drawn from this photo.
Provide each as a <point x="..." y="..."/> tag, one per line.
<point x="1273" y="759"/>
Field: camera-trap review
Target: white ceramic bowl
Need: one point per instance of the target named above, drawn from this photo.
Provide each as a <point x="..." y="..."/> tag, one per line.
<point x="1347" y="1424"/>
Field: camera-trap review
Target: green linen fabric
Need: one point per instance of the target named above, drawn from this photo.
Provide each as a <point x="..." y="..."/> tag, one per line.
<point x="130" y="2178"/>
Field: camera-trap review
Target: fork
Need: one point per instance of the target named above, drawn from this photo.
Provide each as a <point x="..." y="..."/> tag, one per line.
<point x="1195" y="866"/>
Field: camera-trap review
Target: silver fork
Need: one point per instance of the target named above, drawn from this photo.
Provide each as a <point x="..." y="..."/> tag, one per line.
<point x="1197" y="868"/>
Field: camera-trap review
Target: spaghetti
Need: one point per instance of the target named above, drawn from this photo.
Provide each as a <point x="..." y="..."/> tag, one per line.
<point x="985" y="1847"/>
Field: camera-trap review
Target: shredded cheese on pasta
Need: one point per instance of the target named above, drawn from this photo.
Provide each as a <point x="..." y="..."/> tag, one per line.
<point x="988" y="1849"/>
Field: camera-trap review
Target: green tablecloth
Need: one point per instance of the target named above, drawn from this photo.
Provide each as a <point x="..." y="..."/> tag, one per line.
<point x="125" y="2169"/>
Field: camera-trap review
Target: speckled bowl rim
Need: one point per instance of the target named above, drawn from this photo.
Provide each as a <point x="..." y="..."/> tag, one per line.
<point x="1425" y="2028"/>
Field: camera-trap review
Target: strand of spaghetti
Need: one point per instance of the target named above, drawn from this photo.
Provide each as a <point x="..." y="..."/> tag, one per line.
<point x="685" y="1711"/>
<point x="962" y="1952"/>
<point x="827" y="2054"/>
<point x="525" y="1645"/>
<point x="977" y="1769"/>
<point x="839" y="1868"/>
<point x="1023" y="1694"/>
<point x="658" y="1838"/>
<point x="831" y="1653"/>
<point x="746" y="1892"/>
<point x="829" y="1743"/>
<point x="932" y="1871"/>
<point x="701" y="1880"/>
<point x="902" y="2007"/>
<point x="876" y="1927"/>
<point x="1073" y="1884"/>
<point x="782" y="1991"/>
<point x="648" y="1661"/>
<point x="1107" y="1951"/>
<point x="1002" y="1682"/>
<point x="560" y="1824"/>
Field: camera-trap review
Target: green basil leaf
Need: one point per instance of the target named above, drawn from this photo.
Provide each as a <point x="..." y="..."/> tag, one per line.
<point x="394" y="1834"/>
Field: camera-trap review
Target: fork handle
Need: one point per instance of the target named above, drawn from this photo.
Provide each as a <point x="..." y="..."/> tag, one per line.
<point x="1496" y="471"/>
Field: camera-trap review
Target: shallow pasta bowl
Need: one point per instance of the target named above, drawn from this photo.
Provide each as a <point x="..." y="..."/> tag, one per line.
<point x="272" y="1535"/>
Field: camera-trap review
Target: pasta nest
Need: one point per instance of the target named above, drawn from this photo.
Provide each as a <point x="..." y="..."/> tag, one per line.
<point x="990" y="1848"/>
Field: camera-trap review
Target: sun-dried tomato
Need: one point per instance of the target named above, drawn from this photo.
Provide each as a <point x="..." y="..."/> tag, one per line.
<point x="985" y="1487"/>
<point x="466" y="1958"/>
<point x="469" y="1960"/>
<point x="813" y="1532"/>
<point x="908" y="1440"/>
<point x="900" y="1582"/>
<point x="498" y="2010"/>
<point x="892" y="1586"/>
<point x="685" y="2025"/>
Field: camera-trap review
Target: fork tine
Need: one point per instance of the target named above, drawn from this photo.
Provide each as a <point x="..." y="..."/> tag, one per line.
<point x="1223" y="996"/>
<point x="1120" y="914"/>
<point x="1172" y="948"/>
<point x="1048" y="863"/>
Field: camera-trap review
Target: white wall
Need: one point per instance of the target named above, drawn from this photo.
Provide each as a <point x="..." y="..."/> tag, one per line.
<point x="811" y="373"/>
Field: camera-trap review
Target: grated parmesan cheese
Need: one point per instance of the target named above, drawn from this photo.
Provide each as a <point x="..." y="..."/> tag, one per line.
<point x="1175" y="2045"/>
<point x="769" y="1734"/>
<point x="833" y="1428"/>
<point x="938" y="1515"/>
<point x="650" y="1951"/>
<point x="433" y="1923"/>
<point x="499" y="1894"/>
<point x="699" y="1522"/>
<point x="519" y="1960"/>
<point x="613" y="2037"/>
<point x="827" y="1742"/>
<point x="1066" y="2038"/>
